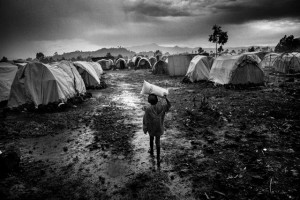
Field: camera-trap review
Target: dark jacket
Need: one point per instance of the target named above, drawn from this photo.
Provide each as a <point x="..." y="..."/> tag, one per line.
<point x="153" y="120"/>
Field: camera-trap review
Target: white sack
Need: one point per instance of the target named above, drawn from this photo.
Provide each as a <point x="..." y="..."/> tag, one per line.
<point x="149" y="88"/>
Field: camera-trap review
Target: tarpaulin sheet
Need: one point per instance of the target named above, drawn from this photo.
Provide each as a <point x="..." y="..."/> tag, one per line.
<point x="7" y="74"/>
<point x="199" y="68"/>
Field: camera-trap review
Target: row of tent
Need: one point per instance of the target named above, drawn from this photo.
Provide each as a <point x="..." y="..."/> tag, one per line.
<point x="121" y="63"/>
<point x="249" y="67"/>
<point x="41" y="84"/>
<point x="137" y="62"/>
<point x="241" y="69"/>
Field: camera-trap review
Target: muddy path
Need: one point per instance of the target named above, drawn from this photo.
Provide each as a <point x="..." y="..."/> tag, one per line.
<point x="102" y="150"/>
<point x="219" y="143"/>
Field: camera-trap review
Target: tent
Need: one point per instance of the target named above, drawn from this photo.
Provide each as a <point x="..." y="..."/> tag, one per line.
<point x="268" y="61"/>
<point x="88" y="74"/>
<point x="178" y="64"/>
<point x="105" y="64"/>
<point x="287" y="63"/>
<point x="238" y="69"/>
<point x="143" y="64"/>
<point x="152" y="61"/>
<point x="133" y="59"/>
<point x="7" y="74"/>
<point x="199" y="68"/>
<point x="97" y="67"/>
<point x="71" y="70"/>
<point x="136" y="60"/>
<point x="121" y="64"/>
<point x="160" y="67"/>
<point x="41" y="84"/>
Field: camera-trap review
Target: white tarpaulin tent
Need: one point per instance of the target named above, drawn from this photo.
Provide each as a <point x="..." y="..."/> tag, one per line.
<point x="41" y="84"/>
<point x="136" y="60"/>
<point x="97" y="67"/>
<point x="71" y="70"/>
<point x="268" y="60"/>
<point x="7" y="74"/>
<point x="88" y="73"/>
<point x="239" y="69"/>
<point x="121" y="63"/>
<point x="133" y="59"/>
<point x="144" y="63"/>
<point x="199" y="68"/>
<point x="152" y="60"/>
<point x="160" y="67"/>
<point x="287" y="63"/>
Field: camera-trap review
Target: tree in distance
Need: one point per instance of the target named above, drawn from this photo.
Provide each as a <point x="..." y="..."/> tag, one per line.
<point x="220" y="49"/>
<point x="251" y="49"/>
<point x="200" y="50"/>
<point x="288" y="44"/>
<point x="39" y="56"/>
<point x="4" y="59"/>
<point x="219" y="37"/>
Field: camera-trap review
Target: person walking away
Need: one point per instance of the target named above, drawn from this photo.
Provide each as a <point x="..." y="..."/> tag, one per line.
<point x="153" y="122"/>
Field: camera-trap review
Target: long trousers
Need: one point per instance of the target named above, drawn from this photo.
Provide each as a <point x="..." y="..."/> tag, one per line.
<point x="157" y="144"/>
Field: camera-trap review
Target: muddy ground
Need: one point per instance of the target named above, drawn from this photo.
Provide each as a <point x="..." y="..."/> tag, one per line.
<point x="219" y="143"/>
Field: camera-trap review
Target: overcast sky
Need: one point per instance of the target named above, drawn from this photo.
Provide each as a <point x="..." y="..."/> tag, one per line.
<point x="48" y="26"/>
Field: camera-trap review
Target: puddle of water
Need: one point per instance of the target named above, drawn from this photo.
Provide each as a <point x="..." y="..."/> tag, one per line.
<point x="128" y="99"/>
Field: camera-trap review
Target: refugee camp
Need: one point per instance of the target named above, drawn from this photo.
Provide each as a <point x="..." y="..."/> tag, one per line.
<point x="150" y="100"/>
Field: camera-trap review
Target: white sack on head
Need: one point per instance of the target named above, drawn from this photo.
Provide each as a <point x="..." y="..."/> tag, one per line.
<point x="149" y="88"/>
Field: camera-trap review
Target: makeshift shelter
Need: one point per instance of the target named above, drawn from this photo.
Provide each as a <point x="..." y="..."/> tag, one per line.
<point x="97" y="67"/>
<point x="137" y="60"/>
<point x="259" y="54"/>
<point x="133" y="59"/>
<point x="239" y="69"/>
<point x="88" y="74"/>
<point x="160" y="67"/>
<point x="152" y="61"/>
<point x="105" y="64"/>
<point x="7" y="74"/>
<point x="41" y="84"/>
<point x="178" y="64"/>
<point x="70" y="69"/>
<point x="143" y="64"/>
<point x="199" y="68"/>
<point x="121" y="64"/>
<point x="268" y="61"/>
<point x="287" y="63"/>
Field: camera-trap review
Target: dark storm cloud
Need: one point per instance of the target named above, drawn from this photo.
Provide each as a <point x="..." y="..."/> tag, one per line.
<point x="155" y="8"/>
<point x="242" y="11"/>
<point x="65" y="25"/>
<point x="226" y="11"/>
<point x="49" y="19"/>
